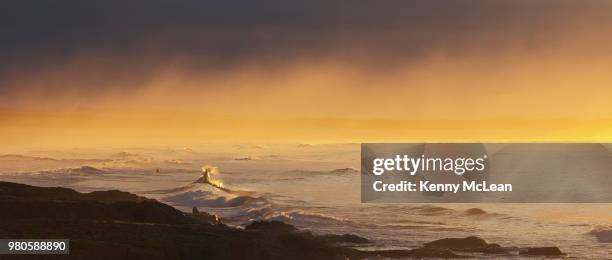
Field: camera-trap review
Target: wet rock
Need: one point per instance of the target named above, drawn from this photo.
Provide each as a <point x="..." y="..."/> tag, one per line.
<point x="121" y="225"/>
<point x="414" y="253"/>
<point x="542" y="251"/>
<point x="205" y="217"/>
<point x="19" y="201"/>
<point x="469" y="244"/>
<point x="494" y="249"/>
<point x="273" y="226"/>
<point x="475" y="211"/>
<point x="458" y="243"/>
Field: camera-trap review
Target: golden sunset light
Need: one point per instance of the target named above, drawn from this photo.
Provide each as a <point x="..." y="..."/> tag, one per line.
<point x="333" y="130"/>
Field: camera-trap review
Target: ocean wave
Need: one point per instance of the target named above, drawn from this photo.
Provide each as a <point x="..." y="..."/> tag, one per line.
<point x="240" y="207"/>
<point x="19" y="157"/>
<point x="234" y="206"/>
<point x="306" y="219"/>
<point x="343" y="171"/>
<point x="603" y="234"/>
<point x="431" y="210"/>
<point x="241" y="210"/>
<point x="309" y="175"/>
<point x="420" y="222"/>
<point x="208" y="199"/>
<point x="64" y="172"/>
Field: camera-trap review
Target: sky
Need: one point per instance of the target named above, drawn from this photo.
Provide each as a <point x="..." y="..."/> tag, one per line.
<point x="154" y="71"/>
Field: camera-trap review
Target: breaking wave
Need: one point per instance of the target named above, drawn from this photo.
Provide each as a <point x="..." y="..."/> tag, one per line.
<point x="199" y="198"/>
<point x="238" y="207"/>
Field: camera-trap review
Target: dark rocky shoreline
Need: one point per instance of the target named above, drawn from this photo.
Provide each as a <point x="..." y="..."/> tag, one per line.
<point x="121" y="225"/>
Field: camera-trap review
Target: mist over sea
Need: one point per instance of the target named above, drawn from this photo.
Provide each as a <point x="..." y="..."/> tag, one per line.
<point x="314" y="187"/>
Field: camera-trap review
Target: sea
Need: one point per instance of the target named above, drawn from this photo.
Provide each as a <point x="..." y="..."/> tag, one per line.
<point x="315" y="187"/>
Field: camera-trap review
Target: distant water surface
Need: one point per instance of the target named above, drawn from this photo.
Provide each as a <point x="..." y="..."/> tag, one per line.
<point x="315" y="187"/>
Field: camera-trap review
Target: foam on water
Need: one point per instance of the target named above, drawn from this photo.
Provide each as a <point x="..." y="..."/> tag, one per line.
<point x="318" y="190"/>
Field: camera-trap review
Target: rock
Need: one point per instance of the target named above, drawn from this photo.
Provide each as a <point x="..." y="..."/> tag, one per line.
<point x="542" y="251"/>
<point x="205" y="217"/>
<point x="458" y="243"/>
<point x="121" y="225"/>
<point x="468" y="244"/>
<point x="475" y="211"/>
<point x="414" y="253"/>
<point x="112" y="196"/>
<point x="18" y="201"/>
<point x="495" y="249"/>
<point x="273" y="226"/>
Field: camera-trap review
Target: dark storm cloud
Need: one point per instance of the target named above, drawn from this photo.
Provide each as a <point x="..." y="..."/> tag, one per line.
<point x="132" y="37"/>
<point x="65" y="25"/>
